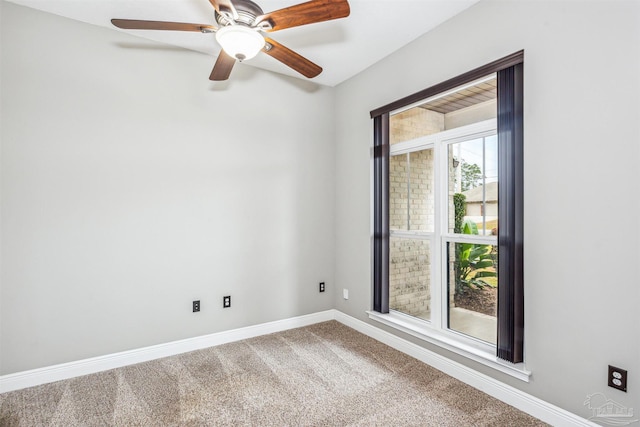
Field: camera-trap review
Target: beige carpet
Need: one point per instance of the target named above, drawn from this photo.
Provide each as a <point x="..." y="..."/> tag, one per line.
<point x="321" y="375"/>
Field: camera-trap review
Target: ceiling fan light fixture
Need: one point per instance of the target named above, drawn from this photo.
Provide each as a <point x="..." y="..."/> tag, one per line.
<point x="240" y="42"/>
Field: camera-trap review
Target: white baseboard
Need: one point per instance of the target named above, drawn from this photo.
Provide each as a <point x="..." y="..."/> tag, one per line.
<point x="78" y="368"/>
<point x="532" y="405"/>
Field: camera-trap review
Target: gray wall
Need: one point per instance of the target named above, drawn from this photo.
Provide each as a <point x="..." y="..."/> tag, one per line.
<point x="582" y="81"/>
<point x="131" y="185"/>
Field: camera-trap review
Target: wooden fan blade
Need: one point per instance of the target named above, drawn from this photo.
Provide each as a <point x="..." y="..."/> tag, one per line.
<point x="132" y="24"/>
<point x="306" y="13"/>
<point x="223" y="67"/>
<point x="292" y="59"/>
<point x="222" y="6"/>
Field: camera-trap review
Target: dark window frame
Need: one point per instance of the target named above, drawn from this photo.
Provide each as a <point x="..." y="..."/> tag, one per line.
<point x="509" y="71"/>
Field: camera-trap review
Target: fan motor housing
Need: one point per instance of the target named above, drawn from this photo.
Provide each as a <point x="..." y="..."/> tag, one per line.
<point x="247" y="10"/>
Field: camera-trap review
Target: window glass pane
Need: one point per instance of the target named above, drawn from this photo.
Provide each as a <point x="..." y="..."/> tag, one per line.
<point x="410" y="276"/>
<point x="399" y="192"/>
<point x="414" y="123"/>
<point x="421" y="190"/>
<point x="472" y="272"/>
<point x="473" y="186"/>
<point x="466" y="105"/>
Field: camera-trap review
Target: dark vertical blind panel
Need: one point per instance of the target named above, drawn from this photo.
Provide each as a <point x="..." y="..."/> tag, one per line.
<point x="381" y="214"/>
<point x="510" y="213"/>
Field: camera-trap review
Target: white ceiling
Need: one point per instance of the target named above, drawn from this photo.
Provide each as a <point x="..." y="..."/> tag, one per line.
<point x="343" y="47"/>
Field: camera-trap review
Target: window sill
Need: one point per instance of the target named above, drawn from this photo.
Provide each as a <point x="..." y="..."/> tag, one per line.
<point x="450" y="342"/>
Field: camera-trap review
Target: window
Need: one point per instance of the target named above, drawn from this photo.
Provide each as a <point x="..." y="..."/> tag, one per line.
<point x="448" y="209"/>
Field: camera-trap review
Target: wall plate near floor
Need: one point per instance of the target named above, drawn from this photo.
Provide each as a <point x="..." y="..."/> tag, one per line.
<point x="196" y="306"/>
<point x="321" y="287"/>
<point x="617" y="378"/>
<point x="226" y="301"/>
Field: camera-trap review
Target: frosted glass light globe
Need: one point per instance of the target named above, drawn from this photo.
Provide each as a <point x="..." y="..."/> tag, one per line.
<point x="239" y="41"/>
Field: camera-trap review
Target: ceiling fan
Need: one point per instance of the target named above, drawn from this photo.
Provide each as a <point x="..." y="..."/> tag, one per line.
<point x="241" y="28"/>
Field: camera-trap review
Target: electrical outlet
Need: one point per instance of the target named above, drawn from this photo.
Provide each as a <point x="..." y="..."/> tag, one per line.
<point x="226" y="301"/>
<point x="196" y="306"/>
<point x="345" y="293"/>
<point x="617" y="378"/>
<point x="321" y="286"/>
